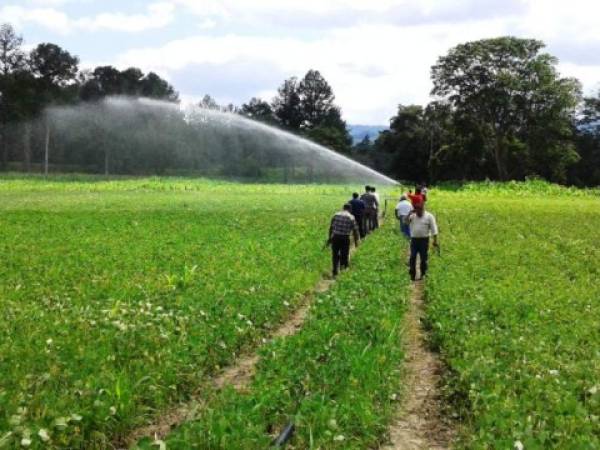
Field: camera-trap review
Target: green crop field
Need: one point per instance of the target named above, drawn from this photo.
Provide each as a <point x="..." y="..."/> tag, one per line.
<point x="514" y="308"/>
<point x="123" y="297"/>
<point x="336" y="379"/>
<point x="118" y="298"/>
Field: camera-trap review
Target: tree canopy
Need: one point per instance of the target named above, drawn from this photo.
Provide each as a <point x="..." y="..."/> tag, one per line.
<point x="501" y="110"/>
<point x="513" y="94"/>
<point x="307" y="107"/>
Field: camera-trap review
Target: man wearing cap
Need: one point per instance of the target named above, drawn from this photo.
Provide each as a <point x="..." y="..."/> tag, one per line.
<point x="343" y="224"/>
<point x="422" y="225"/>
<point x="403" y="209"/>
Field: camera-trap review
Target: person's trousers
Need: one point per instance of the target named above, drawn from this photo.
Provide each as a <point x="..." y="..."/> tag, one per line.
<point x="340" y="249"/>
<point x="418" y="246"/>
<point x="404" y="227"/>
<point x="360" y="220"/>
<point x="370" y="219"/>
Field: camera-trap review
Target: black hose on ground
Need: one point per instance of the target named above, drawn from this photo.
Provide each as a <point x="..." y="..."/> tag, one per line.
<point x="285" y="435"/>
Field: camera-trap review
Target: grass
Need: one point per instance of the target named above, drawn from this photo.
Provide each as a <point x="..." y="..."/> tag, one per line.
<point x="336" y="379"/>
<point x="514" y="309"/>
<point x="119" y="297"/>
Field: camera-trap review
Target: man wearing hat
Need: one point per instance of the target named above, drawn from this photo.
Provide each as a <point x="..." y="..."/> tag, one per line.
<point x="343" y="224"/>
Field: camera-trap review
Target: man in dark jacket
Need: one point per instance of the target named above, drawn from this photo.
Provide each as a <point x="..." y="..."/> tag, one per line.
<point x="358" y="210"/>
<point x="371" y="206"/>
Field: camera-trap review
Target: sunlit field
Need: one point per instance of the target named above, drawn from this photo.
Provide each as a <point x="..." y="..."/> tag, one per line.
<point x="120" y="297"/>
<point x="513" y="306"/>
<point x="123" y="297"/>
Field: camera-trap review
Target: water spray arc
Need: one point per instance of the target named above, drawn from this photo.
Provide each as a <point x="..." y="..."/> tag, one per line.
<point x="142" y="136"/>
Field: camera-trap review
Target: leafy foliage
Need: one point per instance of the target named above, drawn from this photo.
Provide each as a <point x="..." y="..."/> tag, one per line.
<point x="514" y="310"/>
<point x="121" y="297"/>
<point x="336" y="378"/>
<point x="307" y="107"/>
<point x="514" y="94"/>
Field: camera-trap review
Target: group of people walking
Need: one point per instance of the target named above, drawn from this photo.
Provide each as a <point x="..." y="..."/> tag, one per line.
<point x="419" y="226"/>
<point x="360" y="216"/>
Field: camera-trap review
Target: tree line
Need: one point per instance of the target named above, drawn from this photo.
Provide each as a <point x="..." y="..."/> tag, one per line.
<point x="48" y="76"/>
<point x="501" y="111"/>
<point x="132" y="139"/>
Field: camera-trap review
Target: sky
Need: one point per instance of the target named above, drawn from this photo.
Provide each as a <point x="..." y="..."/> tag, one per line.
<point x="376" y="54"/>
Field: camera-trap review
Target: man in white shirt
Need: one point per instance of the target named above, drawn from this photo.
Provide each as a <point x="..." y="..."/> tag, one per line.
<point x="376" y="195"/>
<point x="422" y="225"/>
<point x="403" y="209"/>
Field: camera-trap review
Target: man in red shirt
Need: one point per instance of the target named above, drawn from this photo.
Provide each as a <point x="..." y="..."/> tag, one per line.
<point x="417" y="198"/>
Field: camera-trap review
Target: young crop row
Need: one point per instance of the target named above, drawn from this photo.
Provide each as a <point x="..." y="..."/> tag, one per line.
<point x="518" y="189"/>
<point x="336" y="379"/>
<point x="16" y="183"/>
<point x="514" y="308"/>
<point x="114" y="306"/>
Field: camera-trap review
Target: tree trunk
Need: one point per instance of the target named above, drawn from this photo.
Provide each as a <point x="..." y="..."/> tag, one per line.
<point x="47" y="148"/>
<point x="500" y="157"/>
<point x="27" y="146"/>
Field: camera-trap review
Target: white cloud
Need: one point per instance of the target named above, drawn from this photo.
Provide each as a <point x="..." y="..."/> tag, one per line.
<point x="371" y="68"/>
<point x="319" y="14"/>
<point x="49" y="2"/>
<point x="48" y="18"/>
<point x="157" y="15"/>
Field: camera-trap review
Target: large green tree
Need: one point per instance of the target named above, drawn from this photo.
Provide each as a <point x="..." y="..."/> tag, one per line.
<point x="55" y="71"/>
<point x="105" y="81"/>
<point x="316" y="99"/>
<point x="287" y="105"/>
<point x="12" y="57"/>
<point x="407" y="144"/>
<point x="12" y="65"/>
<point x="258" y="109"/>
<point x="587" y="171"/>
<point x="512" y="93"/>
<point x="53" y="65"/>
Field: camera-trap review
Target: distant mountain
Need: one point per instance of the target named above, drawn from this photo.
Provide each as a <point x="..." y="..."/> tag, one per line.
<point x="358" y="132"/>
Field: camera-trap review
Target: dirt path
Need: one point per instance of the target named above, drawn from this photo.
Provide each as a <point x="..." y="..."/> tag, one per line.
<point x="237" y="375"/>
<point x="421" y="424"/>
